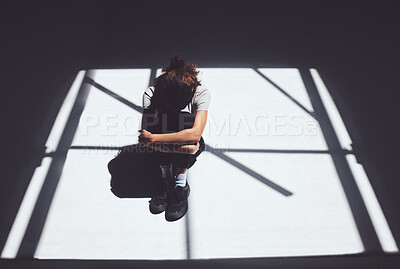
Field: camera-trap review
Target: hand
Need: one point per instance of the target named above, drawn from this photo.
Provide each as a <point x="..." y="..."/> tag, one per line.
<point x="196" y="147"/>
<point x="145" y="136"/>
<point x="192" y="149"/>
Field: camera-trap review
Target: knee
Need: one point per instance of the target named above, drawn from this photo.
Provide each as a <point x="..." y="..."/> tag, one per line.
<point x="179" y="170"/>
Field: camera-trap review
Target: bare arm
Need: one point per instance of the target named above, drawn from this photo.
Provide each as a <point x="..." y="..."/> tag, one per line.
<point x="189" y="136"/>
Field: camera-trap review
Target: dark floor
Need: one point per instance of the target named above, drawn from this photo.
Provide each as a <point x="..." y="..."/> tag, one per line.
<point x="354" y="262"/>
<point x="353" y="45"/>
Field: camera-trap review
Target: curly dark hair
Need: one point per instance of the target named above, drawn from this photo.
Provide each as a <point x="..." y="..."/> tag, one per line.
<point x="175" y="87"/>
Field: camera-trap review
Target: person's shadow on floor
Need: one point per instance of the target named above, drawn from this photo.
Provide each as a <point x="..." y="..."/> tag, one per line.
<point x="134" y="173"/>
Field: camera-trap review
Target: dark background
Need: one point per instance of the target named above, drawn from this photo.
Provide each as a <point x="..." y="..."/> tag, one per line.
<point x="353" y="44"/>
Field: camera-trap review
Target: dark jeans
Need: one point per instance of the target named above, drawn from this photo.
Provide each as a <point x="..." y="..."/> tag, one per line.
<point x="167" y="123"/>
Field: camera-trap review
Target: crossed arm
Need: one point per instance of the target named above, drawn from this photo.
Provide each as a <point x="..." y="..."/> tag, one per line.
<point x="188" y="139"/>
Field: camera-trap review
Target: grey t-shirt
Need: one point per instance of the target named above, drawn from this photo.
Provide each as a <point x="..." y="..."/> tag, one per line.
<point x="200" y="101"/>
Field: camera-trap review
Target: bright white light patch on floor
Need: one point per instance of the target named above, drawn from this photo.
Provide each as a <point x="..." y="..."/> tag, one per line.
<point x="21" y="221"/>
<point x="375" y="212"/>
<point x="63" y="114"/>
<point x="86" y="221"/>
<point x="128" y="83"/>
<point x="333" y="113"/>
<point x="106" y="121"/>
<point x="290" y="81"/>
<point x="233" y="215"/>
<point x="248" y="112"/>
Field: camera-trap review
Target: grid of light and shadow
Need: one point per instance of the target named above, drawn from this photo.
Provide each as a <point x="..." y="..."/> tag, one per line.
<point x="278" y="176"/>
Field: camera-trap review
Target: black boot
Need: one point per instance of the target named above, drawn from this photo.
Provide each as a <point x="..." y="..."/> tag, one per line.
<point x="177" y="202"/>
<point x="158" y="202"/>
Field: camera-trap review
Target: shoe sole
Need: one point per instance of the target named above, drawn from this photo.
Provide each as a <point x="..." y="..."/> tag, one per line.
<point x="157" y="211"/>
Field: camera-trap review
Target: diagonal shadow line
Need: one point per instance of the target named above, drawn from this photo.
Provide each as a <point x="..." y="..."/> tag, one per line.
<point x="38" y="218"/>
<point x="116" y="96"/>
<point x="312" y="114"/>
<point x="248" y="171"/>
<point x="362" y="219"/>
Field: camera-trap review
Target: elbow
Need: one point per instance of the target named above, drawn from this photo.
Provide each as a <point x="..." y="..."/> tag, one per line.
<point x="196" y="139"/>
<point x="195" y="136"/>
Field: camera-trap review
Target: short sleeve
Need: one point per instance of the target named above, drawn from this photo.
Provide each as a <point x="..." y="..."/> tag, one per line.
<point x="146" y="100"/>
<point x="202" y="99"/>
